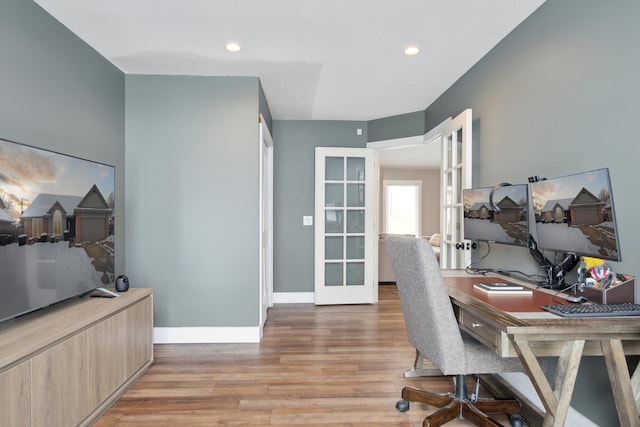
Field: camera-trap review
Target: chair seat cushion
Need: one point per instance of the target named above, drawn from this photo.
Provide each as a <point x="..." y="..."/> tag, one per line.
<point x="483" y="360"/>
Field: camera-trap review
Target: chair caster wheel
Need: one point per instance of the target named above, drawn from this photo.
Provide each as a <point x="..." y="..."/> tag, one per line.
<point x="516" y="420"/>
<point x="402" y="405"/>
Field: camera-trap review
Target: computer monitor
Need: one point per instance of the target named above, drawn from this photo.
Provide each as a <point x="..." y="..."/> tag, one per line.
<point x="505" y="222"/>
<point x="575" y="215"/>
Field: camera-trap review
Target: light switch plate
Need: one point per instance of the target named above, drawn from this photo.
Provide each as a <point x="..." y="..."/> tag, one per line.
<point x="307" y="220"/>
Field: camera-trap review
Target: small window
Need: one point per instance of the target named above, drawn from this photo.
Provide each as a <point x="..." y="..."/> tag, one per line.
<point x="36" y="227"/>
<point x="402" y="207"/>
<point x="57" y="223"/>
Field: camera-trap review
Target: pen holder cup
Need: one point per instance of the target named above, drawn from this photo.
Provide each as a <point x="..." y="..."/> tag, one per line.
<point x="622" y="292"/>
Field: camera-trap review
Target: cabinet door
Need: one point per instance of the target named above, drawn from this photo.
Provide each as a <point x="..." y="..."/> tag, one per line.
<point x="59" y="384"/>
<point x="15" y="404"/>
<point x="139" y="335"/>
<point x="107" y="346"/>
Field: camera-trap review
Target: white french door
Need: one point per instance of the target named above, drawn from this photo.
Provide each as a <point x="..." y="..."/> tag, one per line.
<point x="345" y="231"/>
<point x="455" y="175"/>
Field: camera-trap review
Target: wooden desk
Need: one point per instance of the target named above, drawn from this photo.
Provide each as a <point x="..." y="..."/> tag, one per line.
<point x="515" y="325"/>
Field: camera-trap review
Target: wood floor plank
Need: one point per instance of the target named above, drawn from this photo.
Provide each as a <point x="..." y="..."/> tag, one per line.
<point x="334" y="366"/>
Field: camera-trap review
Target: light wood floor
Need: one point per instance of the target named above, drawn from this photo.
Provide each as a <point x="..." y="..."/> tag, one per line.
<point x="339" y="366"/>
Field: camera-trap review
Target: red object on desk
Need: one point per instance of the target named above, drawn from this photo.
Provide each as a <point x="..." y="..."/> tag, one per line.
<point x="508" y="303"/>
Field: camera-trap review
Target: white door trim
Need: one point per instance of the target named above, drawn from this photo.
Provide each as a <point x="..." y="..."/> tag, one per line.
<point x="265" y="223"/>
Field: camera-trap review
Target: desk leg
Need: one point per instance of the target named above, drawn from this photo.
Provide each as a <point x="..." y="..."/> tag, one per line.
<point x="536" y="374"/>
<point x="565" y="378"/>
<point x="556" y="402"/>
<point x="635" y="385"/>
<point x="620" y="382"/>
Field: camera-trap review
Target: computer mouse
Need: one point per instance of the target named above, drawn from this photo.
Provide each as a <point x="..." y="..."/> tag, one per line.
<point x="576" y="298"/>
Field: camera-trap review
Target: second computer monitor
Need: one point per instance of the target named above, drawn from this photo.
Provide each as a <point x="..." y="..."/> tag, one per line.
<point x="575" y="214"/>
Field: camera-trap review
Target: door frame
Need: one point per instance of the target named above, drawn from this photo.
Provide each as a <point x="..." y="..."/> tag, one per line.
<point x="265" y="245"/>
<point x="434" y="136"/>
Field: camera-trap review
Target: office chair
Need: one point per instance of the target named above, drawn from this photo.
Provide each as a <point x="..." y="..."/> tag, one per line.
<point x="433" y="330"/>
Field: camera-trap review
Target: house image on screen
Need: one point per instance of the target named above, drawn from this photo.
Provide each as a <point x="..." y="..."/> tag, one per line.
<point x="79" y="218"/>
<point x="555" y="211"/>
<point x="480" y="210"/>
<point x="510" y="211"/>
<point x="584" y="209"/>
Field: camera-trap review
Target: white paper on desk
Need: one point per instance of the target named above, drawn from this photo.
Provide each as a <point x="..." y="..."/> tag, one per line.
<point x="533" y="315"/>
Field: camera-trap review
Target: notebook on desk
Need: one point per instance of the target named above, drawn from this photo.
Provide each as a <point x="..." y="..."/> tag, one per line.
<point x="500" y="288"/>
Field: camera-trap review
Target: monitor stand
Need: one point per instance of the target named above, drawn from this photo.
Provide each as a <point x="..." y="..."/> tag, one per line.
<point x="555" y="272"/>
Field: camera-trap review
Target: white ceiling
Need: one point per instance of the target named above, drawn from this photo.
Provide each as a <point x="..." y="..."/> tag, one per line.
<point x="316" y="59"/>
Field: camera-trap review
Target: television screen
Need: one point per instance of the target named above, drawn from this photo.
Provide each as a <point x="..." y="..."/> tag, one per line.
<point x="508" y="224"/>
<point x="575" y="214"/>
<point x="56" y="227"/>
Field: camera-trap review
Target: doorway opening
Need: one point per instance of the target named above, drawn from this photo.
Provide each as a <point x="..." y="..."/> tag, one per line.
<point x="408" y="170"/>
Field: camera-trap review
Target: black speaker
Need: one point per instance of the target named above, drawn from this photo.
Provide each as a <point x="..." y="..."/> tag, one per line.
<point x="122" y="283"/>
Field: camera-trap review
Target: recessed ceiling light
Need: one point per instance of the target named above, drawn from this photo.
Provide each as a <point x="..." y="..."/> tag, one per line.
<point x="232" y="47"/>
<point x="411" y="50"/>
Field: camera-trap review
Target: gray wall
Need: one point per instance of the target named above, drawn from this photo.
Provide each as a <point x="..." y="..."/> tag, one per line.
<point x="560" y="95"/>
<point x="400" y="126"/>
<point x="294" y="189"/>
<point x="192" y="211"/>
<point x="59" y="94"/>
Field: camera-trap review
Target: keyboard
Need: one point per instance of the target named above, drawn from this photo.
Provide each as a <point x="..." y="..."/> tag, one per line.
<point x="594" y="310"/>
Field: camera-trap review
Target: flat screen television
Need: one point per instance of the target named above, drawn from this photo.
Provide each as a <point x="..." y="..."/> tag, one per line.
<point x="509" y="224"/>
<point x="575" y="214"/>
<point x="56" y="227"/>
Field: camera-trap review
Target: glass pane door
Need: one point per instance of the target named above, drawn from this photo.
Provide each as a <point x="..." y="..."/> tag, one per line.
<point x="344" y="234"/>
<point x="456" y="175"/>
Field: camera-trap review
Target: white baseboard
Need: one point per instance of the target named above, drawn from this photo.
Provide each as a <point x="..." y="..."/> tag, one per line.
<point x="206" y="335"/>
<point x="293" y="297"/>
<point x="220" y="335"/>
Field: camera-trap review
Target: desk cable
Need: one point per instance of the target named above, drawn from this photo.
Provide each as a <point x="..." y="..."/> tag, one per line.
<point x="469" y="269"/>
<point x="555" y="297"/>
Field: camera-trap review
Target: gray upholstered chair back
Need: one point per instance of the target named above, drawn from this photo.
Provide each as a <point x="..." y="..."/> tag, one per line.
<point x="429" y="318"/>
